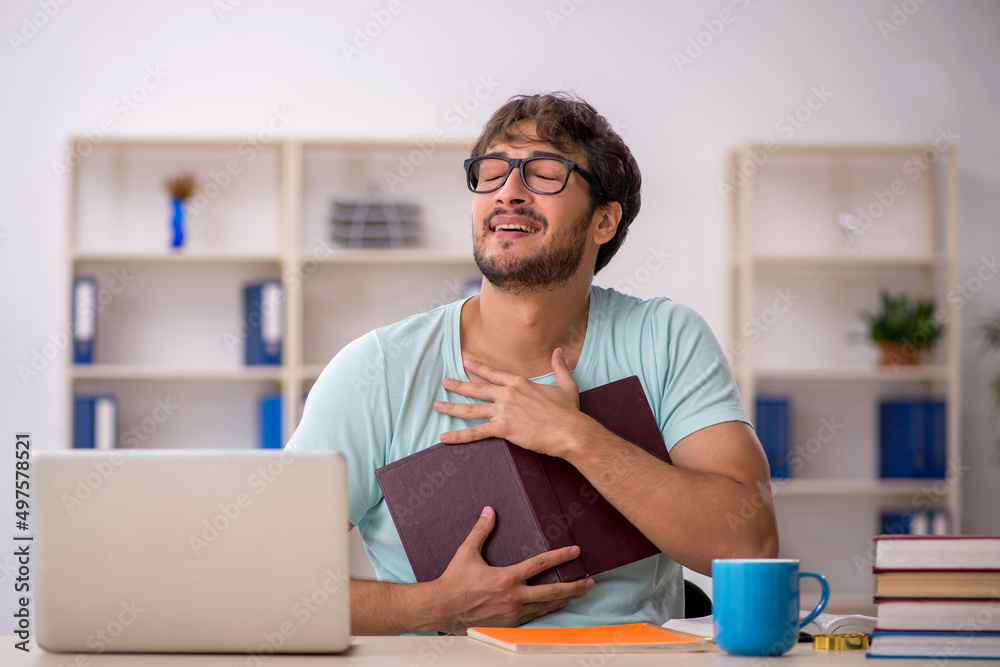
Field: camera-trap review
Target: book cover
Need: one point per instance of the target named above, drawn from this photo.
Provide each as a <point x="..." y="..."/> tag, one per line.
<point x="542" y="503"/>
<point x="937" y="552"/>
<point x="262" y="315"/>
<point x="631" y="637"/>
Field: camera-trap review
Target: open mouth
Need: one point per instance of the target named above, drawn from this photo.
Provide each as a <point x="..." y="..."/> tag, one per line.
<point x="513" y="227"/>
<point x="501" y="224"/>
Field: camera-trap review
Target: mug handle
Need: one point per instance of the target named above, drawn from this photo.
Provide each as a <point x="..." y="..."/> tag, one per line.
<point x="824" y="598"/>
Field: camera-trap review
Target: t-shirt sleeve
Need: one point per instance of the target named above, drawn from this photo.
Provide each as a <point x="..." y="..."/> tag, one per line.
<point x="348" y="411"/>
<point x="697" y="388"/>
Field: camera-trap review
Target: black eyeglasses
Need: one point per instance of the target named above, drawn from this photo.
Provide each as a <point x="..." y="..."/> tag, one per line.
<point x="542" y="175"/>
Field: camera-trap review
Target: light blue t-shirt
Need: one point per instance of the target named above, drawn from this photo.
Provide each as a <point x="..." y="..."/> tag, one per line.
<point x="373" y="403"/>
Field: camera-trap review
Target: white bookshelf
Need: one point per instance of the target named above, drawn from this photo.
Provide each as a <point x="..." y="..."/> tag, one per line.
<point x="813" y="348"/>
<point x="169" y="333"/>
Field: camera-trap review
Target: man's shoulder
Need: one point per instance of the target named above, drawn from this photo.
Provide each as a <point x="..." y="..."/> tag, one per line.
<point x="617" y="306"/>
<point x="420" y="327"/>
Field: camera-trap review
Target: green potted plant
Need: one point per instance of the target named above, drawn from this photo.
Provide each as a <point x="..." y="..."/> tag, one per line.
<point x="903" y="327"/>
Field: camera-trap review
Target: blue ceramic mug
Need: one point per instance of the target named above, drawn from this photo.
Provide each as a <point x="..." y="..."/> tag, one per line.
<point x="755" y="604"/>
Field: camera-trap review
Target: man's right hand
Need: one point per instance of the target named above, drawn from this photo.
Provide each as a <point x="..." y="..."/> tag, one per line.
<point x="470" y="592"/>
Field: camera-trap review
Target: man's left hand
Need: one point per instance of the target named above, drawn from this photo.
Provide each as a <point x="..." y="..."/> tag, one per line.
<point x="542" y="418"/>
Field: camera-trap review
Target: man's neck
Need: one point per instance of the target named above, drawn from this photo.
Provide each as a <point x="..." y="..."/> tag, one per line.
<point x="518" y="332"/>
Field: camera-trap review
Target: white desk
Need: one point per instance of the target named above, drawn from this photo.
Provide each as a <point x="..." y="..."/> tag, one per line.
<point x="448" y="652"/>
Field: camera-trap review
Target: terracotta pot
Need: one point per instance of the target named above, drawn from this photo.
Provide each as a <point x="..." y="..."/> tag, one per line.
<point x="899" y="353"/>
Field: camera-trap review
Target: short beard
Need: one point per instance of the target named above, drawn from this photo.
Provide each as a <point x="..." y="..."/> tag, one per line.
<point x="553" y="267"/>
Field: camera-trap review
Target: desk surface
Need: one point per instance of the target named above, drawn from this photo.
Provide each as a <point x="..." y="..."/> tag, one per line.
<point x="445" y="652"/>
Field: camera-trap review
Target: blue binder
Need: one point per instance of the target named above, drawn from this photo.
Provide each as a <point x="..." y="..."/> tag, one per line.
<point x="774" y="432"/>
<point x="84" y="319"/>
<point x="913" y="438"/>
<point x="95" y="421"/>
<point x="262" y="303"/>
<point x="270" y="421"/>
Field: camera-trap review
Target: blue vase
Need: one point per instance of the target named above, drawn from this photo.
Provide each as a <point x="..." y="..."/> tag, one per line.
<point x="177" y="224"/>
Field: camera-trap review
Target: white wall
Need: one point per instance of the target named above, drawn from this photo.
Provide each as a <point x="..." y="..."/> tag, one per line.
<point x="225" y="74"/>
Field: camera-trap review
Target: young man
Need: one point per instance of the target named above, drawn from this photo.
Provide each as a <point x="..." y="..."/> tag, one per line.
<point x="555" y="190"/>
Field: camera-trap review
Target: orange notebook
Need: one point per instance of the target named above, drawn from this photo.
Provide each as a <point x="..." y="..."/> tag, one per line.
<point x="633" y="637"/>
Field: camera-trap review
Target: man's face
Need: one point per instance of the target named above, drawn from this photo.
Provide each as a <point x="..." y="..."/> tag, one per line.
<point x="527" y="242"/>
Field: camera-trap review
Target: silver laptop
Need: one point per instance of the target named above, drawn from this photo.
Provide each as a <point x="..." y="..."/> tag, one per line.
<point x="191" y="551"/>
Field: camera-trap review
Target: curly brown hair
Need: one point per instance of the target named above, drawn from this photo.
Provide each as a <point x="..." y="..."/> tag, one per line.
<point x="572" y="125"/>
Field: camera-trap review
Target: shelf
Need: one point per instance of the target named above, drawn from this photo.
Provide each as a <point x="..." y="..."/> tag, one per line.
<point x="841" y="149"/>
<point x="183" y="257"/>
<point x="847" y="262"/>
<point x="851" y="487"/>
<point x="142" y="372"/>
<point x="393" y="256"/>
<point x="925" y="372"/>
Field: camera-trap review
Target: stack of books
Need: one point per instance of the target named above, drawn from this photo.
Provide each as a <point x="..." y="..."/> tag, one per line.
<point x="937" y="597"/>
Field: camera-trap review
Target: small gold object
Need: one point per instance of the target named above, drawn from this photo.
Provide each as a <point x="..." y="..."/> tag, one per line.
<point x="840" y="642"/>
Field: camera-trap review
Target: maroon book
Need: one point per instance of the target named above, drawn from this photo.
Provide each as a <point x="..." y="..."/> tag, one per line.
<point x="542" y="503"/>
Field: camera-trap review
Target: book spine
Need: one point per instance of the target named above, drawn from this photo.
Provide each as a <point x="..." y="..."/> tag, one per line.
<point x="773" y="432"/>
<point x="899" y="436"/>
<point x="554" y="527"/>
<point x="262" y="313"/>
<point x="84" y="318"/>
<point x="105" y="422"/>
<point x="83" y="422"/>
<point x="936" y="435"/>
<point x="270" y="421"/>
